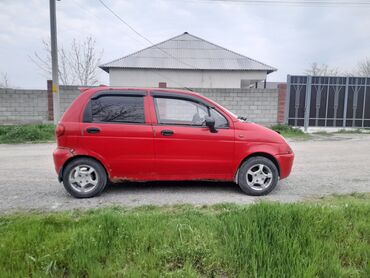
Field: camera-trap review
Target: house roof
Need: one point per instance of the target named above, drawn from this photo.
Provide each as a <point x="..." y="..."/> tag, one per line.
<point x="189" y="52"/>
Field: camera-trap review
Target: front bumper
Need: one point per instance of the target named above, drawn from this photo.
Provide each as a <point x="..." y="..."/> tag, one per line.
<point x="60" y="156"/>
<point x="286" y="163"/>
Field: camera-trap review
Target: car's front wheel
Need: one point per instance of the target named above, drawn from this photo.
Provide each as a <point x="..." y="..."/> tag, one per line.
<point x="84" y="178"/>
<point x="258" y="176"/>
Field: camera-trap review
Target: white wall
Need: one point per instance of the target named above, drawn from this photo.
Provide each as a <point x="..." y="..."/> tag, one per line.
<point x="181" y="78"/>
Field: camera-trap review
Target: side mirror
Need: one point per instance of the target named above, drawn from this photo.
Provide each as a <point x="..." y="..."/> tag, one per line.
<point x="210" y="123"/>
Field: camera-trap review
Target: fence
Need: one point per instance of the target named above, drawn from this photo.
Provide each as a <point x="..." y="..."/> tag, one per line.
<point x="35" y="106"/>
<point x="258" y="105"/>
<point x="328" y="101"/>
<point x="19" y="106"/>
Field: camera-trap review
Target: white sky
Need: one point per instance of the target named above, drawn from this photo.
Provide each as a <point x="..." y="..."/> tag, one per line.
<point x="287" y="37"/>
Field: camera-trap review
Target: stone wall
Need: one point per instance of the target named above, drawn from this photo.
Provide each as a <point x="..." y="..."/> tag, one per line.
<point x="31" y="106"/>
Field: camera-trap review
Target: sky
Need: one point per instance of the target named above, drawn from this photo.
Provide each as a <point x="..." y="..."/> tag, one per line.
<point x="288" y="37"/>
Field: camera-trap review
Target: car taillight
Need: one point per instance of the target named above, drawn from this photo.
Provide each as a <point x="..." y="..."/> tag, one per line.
<point x="59" y="130"/>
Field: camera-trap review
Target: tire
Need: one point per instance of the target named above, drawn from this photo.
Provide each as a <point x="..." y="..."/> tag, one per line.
<point x="257" y="180"/>
<point x="84" y="178"/>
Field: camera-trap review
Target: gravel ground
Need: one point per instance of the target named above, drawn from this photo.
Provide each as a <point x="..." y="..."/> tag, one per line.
<point x="325" y="165"/>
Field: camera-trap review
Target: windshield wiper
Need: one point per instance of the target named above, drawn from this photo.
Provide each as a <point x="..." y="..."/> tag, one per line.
<point x="242" y="118"/>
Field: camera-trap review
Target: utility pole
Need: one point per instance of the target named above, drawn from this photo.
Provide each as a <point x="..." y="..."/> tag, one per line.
<point x="54" y="61"/>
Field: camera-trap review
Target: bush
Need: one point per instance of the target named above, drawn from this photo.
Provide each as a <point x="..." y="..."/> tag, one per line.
<point x="26" y="133"/>
<point x="288" y="131"/>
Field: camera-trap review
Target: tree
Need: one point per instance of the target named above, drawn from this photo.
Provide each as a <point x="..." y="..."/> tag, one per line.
<point x="78" y="63"/>
<point x="321" y="70"/>
<point x="4" y="82"/>
<point x="363" y="68"/>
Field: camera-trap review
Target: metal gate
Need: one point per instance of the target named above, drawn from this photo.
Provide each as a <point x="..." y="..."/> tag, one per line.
<point x="328" y="101"/>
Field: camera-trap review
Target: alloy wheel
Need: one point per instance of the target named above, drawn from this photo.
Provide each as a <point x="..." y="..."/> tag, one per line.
<point x="259" y="176"/>
<point x="83" y="178"/>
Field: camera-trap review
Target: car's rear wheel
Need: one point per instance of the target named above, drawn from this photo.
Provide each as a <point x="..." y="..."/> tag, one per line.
<point x="84" y="178"/>
<point x="258" y="176"/>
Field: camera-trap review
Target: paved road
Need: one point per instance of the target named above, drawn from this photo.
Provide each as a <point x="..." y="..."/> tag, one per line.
<point x="325" y="165"/>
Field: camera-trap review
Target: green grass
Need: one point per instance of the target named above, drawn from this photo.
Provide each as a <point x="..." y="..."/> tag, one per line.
<point x="353" y="198"/>
<point x="324" y="133"/>
<point x="354" y="131"/>
<point x="12" y="134"/>
<point x="314" y="239"/>
<point x="343" y="131"/>
<point x="288" y="131"/>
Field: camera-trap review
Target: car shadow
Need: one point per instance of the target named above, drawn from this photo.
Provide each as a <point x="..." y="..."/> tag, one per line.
<point x="173" y="186"/>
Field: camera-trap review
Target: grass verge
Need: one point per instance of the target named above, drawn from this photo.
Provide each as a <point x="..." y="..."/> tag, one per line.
<point x="12" y="134"/>
<point x="290" y="132"/>
<point x="355" y="131"/>
<point x="319" y="239"/>
<point x="343" y="131"/>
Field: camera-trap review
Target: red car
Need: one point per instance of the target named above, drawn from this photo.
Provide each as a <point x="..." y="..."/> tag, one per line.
<point x="126" y="134"/>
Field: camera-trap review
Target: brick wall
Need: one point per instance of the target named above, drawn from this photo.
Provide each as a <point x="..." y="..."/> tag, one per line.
<point x="33" y="106"/>
<point x="281" y="102"/>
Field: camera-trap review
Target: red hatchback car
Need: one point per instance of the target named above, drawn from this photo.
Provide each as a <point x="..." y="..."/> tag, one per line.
<point x="126" y="134"/>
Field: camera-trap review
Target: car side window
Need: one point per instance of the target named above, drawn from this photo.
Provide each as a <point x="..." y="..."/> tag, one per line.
<point x="220" y="120"/>
<point x="180" y="111"/>
<point x="121" y="109"/>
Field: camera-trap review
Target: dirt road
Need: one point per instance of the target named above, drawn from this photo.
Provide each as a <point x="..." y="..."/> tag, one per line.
<point x="325" y="165"/>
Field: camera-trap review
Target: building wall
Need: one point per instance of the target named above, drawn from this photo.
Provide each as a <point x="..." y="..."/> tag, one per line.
<point x="31" y="106"/>
<point x="181" y="78"/>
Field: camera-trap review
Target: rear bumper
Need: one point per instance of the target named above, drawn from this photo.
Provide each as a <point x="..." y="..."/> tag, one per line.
<point x="286" y="163"/>
<point x="60" y="156"/>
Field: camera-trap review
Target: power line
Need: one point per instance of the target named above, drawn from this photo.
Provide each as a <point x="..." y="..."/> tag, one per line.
<point x="87" y="12"/>
<point x="149" y="41"/>
<point x="344" y="2"/>
<point x="124" y="22"/>
<point x="152" y="45"/>
<point x="157" y="73"/>
<point x="305" y="3"/>
<point x="145" y="38"/>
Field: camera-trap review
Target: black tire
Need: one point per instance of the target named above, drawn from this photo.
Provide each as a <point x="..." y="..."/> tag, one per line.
<point x="99" y="175"/>
<point x="252" y="164"/>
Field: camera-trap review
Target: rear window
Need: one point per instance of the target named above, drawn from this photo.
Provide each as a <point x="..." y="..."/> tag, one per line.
<point x="121" y="109"/>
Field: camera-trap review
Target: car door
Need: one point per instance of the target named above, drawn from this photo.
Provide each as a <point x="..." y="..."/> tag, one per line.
<point x="117" y="129"/>
<point x="184" y="148"/>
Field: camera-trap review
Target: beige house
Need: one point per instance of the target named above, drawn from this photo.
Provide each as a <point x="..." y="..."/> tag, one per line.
<point x="186" y="61"/>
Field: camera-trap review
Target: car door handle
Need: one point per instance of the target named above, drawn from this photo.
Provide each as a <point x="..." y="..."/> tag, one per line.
<point x="167" y="132"/>
<point x="92" y="130"/>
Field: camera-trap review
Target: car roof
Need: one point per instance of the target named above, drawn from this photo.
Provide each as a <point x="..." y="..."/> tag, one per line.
<point x="140" y="89"/>
<point x="156" y="92"/>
